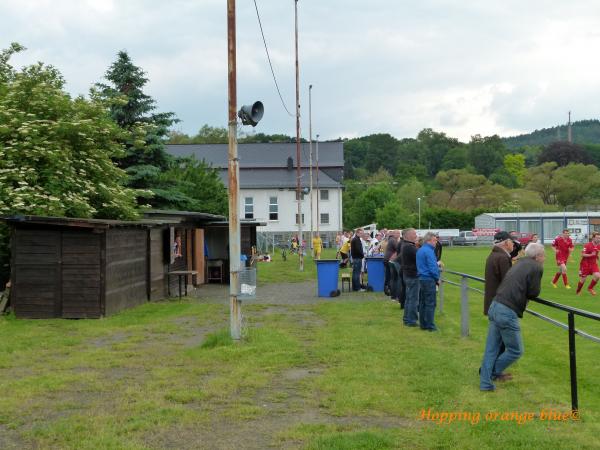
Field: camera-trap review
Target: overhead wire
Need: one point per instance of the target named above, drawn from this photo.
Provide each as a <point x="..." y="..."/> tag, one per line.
<point x="269" y="59"/>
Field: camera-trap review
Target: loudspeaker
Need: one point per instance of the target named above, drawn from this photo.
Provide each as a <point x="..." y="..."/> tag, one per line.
<point x="251" y="114"/>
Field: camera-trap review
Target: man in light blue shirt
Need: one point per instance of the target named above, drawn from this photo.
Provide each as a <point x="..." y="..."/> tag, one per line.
<point x="429" y="274"/>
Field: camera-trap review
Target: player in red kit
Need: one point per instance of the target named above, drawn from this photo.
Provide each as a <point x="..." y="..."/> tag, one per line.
<point x="563" y="247"/>
<point x="589" y="264"/>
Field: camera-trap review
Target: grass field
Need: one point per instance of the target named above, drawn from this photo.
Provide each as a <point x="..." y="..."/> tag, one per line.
<point x="334" y="374"/>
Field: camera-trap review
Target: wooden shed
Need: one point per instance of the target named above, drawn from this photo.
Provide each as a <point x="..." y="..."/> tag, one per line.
<point x="89" y="268"/>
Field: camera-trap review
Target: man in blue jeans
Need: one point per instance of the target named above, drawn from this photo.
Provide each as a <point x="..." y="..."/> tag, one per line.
<point x="521" y="283"/>
<point x="409" y="274"/>
<point x="429" y="274"/>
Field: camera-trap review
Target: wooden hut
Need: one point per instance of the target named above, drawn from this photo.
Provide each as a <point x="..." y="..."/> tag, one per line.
<point x="89" y="268"/>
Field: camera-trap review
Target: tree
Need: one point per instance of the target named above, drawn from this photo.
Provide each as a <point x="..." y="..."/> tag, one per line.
<point x="574" y="183"/>
<point x="133" y="110"/>
<point x="456" y="158"/>
<point x="486" y="154"/>
<point x="393" y="215"/>
<point x="192" y="185"/>
<point x="541" y="180"/>
<point x="409" y="193"/>
<point x="436" y="146"/>
<point x="514" y="164"/>
<point x="455" y="180"/>
<point x="563" y="153"/>
<point x="55" y="151"/>
<point x="360" y="204"/>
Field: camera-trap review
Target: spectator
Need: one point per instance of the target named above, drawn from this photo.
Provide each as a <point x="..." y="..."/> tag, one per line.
<point x="398" y="284"/>
<point x="517" y="247"/>
<point x="522" y="282"/>
<point x="345" y="250"/>
<point x="390" y="249"/>
<point x="429" y="275"/>
<point x="356" y="251"/>
<point x="409" y="275"/>
<point x="497" y="264"/>
<point x="317" y="244"/>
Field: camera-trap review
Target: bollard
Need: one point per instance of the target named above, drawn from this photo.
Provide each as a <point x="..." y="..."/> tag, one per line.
<point x="464" y="307"/>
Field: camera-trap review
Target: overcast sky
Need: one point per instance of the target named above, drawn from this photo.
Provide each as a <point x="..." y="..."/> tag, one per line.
<point x="463" y="67"/>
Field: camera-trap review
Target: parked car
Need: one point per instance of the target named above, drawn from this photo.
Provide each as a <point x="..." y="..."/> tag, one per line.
<point x="445" y="240"/>
<point x="465" y="238"/>
<point x="524" y="238"/>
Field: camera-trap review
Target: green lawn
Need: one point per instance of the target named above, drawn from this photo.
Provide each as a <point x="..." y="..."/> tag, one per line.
<point x="341" y="374"/>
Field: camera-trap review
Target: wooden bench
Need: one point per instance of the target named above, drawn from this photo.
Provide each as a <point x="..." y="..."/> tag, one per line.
<point x="181" y="274"/>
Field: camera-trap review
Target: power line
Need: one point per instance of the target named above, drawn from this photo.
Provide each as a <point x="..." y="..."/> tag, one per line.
<point x="269" y="58"/>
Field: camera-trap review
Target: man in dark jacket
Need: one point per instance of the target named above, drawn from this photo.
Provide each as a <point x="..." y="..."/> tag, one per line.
<point x="392" y="243"/>
<point x="410" y="276"/>
<point x="521" y="283"/>
<point x="496" y="266"/>
<point x="356" y="251"/>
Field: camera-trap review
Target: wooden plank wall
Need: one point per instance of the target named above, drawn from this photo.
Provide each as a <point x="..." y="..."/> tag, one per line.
<point x="80" y="273"/>
<point x="36" y="273"/>
<point x="126" y="269"/>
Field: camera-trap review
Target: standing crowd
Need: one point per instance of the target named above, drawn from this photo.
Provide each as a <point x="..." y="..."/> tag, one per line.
<point x="412" y="269"/>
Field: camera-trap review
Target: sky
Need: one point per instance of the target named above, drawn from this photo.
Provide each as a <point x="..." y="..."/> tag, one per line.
<point x="379" y="66"/>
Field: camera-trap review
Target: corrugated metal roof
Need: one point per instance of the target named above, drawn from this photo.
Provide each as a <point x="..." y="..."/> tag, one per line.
<point x="275" y="154"/>
<point x="557" y="215"/>
<point x="279" y="178"/>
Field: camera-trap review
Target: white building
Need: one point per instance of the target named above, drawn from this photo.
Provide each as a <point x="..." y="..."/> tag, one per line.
<point x="547" y="225"/>
<point x="268" y="185"/>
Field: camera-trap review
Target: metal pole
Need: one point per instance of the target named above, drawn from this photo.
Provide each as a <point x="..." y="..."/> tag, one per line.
<point x="310" y="160"/>
<point x="233" y="171"/>
<point x="573" y="362"/>
<point x="298" y="163"/>
<point x="464" y="307"/>
<point x="441" y="295"/>
<point x="318" y="192"/>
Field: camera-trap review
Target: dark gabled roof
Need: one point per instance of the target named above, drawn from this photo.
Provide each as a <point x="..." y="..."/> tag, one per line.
<point x="78" y="222"/>
<point x="193" y="215"/>
<point x="275" y="154"/>
<point x="279" y="178"/>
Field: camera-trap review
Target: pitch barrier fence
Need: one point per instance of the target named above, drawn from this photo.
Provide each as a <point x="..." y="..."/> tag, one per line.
<point x="570" y="326"/>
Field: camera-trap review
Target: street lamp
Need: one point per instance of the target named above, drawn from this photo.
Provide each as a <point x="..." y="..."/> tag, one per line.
<point x="419" y="201"/>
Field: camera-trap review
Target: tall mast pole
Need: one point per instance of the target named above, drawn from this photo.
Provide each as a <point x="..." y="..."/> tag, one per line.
<point x="298" y="162"/>
<point x="310" y="165"/>
<point x="318" y="192"/>
<point x="233" y="171"/>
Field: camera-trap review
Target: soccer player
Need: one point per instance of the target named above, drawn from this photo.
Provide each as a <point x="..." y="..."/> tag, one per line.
<point x="563" y="247"/>
<point x="589" y="264"/>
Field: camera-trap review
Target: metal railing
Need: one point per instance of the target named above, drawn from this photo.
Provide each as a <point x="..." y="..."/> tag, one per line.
<point x="570" y="327"/>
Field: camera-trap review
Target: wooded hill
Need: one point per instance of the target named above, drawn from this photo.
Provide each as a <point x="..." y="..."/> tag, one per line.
<point x="583" y="131"/>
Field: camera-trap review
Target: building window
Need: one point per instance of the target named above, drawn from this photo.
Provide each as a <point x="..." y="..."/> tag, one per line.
<point x="273" y="209"/>
<point x="324" y="218"/>
<point x="553" y="227"/>
<point x="530" y="226"/>
<point x="324" y="194"/>
<point x="297" y="219"/>
<point x="507" y="225"/>
<point x="249" y="208"/>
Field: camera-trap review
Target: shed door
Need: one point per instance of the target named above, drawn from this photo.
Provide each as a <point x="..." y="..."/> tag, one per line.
<point x="81" y="274"/>
<point x="36" y="291"/>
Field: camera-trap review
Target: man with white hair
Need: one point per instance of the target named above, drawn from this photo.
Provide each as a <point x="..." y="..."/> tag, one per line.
<point x="521" y="283"/>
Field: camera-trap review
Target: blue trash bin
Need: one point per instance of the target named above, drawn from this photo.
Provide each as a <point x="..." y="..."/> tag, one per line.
<point x="376" y="273"/>
<point x="328" y="272"/>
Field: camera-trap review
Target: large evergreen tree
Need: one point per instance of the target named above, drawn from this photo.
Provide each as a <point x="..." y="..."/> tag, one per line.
<point x="134" y="111"/>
